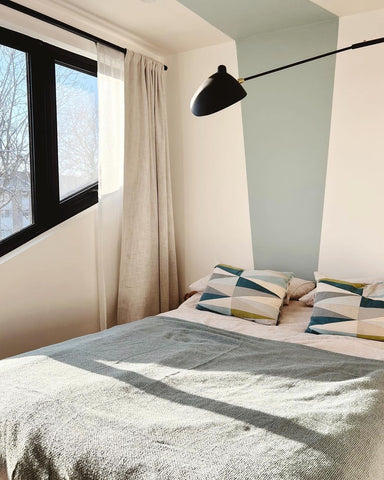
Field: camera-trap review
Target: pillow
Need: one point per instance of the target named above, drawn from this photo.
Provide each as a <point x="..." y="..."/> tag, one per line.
<point x="346" y="308"/>
<point x="309" y="298"/>
<point x="255" y="295"/>
<point x="299" y="287"/>
<point x="200" y="285"/>
<point x="296" y="288"/>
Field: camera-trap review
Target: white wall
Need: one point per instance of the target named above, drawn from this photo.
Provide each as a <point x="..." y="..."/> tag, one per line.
<point x="208" y="170"/>
<point x="48" y="287"/>
<point x="353" y="227"/>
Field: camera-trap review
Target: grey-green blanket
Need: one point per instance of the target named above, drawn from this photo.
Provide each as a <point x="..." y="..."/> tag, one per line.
<point x="167" y="399"/>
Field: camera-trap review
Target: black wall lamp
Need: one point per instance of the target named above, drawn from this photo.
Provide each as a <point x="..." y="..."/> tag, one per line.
<point x="221" y="90"/>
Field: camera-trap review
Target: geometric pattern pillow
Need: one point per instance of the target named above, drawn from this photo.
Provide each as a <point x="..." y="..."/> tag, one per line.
<point x="345" y="308"/>
<point x="255" y="295"/>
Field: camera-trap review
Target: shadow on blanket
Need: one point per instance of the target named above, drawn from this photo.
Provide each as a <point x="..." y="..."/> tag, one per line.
<point x="182" y="364"/>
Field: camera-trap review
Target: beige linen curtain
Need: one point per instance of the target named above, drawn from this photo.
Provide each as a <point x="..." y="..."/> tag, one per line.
<point x="148" y="276"/>
<point x="110" y="78"/>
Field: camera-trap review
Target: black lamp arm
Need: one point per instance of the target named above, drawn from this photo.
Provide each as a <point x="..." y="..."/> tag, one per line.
<point x="367" y="43"/>
<point x="352" y="47"/>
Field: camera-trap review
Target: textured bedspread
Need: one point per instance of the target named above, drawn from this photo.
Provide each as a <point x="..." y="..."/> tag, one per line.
<point x="167" y="399"/>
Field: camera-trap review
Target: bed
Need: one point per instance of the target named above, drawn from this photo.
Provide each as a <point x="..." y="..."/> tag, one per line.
<point x="196" y="395"/>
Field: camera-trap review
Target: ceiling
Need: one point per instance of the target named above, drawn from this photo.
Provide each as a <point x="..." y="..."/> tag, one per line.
<point x="349" y="7"/>
<point x="164" y="26"/>
<point x="171" y="26"/>
<point x="162" y="22"/>
<point x="245" y="18"/>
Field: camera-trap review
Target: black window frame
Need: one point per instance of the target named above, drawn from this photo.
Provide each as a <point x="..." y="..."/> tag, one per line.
<point x="47" y="208"/>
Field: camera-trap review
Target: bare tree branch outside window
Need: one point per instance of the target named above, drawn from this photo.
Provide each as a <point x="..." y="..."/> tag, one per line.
<point x="15" y="178"/>
<point x="77" y="133"/>
<point x="48" y="153"/>
<point x="77" y="125"/>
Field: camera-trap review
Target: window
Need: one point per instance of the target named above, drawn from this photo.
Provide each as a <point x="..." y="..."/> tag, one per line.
<point x="76" y="104"/>
<point x="48" y="137"/>
<point x="15" y="168"/>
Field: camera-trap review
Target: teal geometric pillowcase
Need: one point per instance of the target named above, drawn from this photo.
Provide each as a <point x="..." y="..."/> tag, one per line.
<point x="345" y="308"/>
<point x="255" y="295"/>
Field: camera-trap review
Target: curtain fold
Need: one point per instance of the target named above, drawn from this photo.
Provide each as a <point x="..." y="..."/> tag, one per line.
<point x="148" y="276"/>
<point x="110" y="76"/>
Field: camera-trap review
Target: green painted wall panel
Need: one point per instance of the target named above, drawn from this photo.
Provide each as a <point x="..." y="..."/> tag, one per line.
<point x="286" y="121"/>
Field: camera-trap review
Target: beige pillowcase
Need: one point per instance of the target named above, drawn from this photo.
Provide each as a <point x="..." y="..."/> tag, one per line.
<point x="299" y="287"/>
<point x="309" y="298"/>
<point x="200" y="284"/>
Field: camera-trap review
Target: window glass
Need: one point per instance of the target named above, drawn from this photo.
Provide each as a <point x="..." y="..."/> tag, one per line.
<point x="77" y="129"/>
<point x="15" y="169"/>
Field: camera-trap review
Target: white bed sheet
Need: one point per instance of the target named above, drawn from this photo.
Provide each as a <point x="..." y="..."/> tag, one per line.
<point x="293" y="321"/>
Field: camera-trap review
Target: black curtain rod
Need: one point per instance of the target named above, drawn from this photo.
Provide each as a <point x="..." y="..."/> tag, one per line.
<point x="62" y="25"/>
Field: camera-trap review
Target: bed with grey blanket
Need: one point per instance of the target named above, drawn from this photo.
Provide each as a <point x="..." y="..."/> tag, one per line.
<point x="167" y="399"/>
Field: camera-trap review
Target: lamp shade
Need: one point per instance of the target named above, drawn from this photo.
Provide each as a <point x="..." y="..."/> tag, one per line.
<point x="219" y="91"/>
